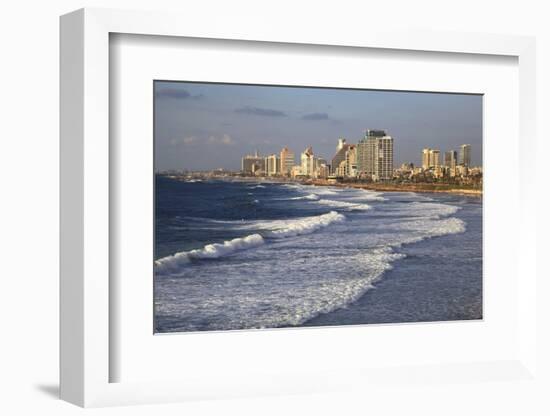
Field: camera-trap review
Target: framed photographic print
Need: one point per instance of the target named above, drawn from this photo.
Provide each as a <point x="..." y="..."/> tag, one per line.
<point x="281" y="212"/>
<point x="275" y="208"/>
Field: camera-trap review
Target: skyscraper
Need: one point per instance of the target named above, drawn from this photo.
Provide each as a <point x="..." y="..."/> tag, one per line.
<point x="272" y="165"/>
<point x="339" y="156"/>
<point x="351" y="161"/>
<point x="465" y="155"/>
<point x="430" y="158"/>
<point x="307" y="162"/>
<point x="450" y="159"/>
<point x="434" y="158"/>
<point x="341" y="144"/>
<point x="426" y="158"/>
<point x="375" y="155"/>
<point x="286" y="161"/>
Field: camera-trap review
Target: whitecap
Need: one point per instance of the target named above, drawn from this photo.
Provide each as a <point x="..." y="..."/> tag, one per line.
<point x="344" y="205"/>
<point x="173" y="262"/>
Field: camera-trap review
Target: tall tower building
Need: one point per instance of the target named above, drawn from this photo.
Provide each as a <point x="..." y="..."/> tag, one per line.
<point x="272" y="165"/>
<point x="339" y="156"/>
<point x="430" y="158"/>
<point x="434" y="158"/>
<point x="450" y="159"/>
<point x="465" y="155"/>
<point x="375" y="155"/>
<point x="426" y="158"/>
<point x="307" y="162"/>
<point x="341" y="144"/>
<point x="286" y="161"/>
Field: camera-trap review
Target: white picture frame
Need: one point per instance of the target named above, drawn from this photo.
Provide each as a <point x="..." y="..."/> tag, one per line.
<point x="86" y="355"/>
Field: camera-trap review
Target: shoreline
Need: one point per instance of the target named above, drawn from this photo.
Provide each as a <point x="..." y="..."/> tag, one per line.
<point x="408" y="286"/>
<point x="419" y="188"/>
<point x="378" y="187"/>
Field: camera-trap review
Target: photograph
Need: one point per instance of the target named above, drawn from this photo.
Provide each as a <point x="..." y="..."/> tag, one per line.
<point x="282" y="206"/>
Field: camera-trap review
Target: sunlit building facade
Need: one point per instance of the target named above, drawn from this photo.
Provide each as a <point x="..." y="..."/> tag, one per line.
<point x="375" y="155"/>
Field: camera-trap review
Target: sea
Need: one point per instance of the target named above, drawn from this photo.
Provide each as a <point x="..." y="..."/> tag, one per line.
<point x="238" y="254"/>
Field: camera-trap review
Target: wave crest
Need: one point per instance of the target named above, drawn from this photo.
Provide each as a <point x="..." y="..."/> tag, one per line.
<point x="273" y="229"/>
<point x="210" y="251"/>
<point x="306" y="225"/>
<point x="344" y="205"/>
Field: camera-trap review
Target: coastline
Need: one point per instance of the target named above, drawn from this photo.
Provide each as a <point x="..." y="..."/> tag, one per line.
<point x="421" y="187"/>
<point x="373" y="186"/>
<point x="417" y="287"/>
<point x="437" y="280"/>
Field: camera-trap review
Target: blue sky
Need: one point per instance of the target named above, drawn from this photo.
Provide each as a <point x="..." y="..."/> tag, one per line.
<point x="207" y="126"/>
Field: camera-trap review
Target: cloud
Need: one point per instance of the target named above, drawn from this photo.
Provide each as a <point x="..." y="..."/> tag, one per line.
<point x="224" y="140"/>
<point x="260" y="111"/>
<point x="315" y="116"/>
<point x="183" y="140"/>
<point x="176" y="93"/>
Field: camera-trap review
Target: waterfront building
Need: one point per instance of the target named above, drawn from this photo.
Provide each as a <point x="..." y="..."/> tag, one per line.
<point x="341" y="169"/>
<point x="426" y="158"/>
<point x="450" y="159"/>
<point x="430" y="158"/>
<point x="307" y="163"/>
<point x="465" y="155"/>
<point x="272" y="165"/>
<point x="340" y="155"/>
<point x="351" y="162"/>
<point x="253" y="164"/>
<point x="341" y="144"/>
<point x="296" y="171"/>
<point x="286" y="161"/>
<point x="462" y="170"/>
<point x="438" y="171"/>
<point x="323" y="169"/>
<point x="375" y="155"/>
<point x="434" y="158"/>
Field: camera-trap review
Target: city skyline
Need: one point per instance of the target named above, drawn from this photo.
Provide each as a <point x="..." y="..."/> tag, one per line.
<point x="208" y="126"/>
<point x="370" y="160"/>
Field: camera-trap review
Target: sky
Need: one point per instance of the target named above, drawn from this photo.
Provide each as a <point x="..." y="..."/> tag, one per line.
<point x="204" y="126"/>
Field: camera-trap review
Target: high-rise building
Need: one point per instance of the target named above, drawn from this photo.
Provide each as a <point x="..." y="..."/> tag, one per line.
<point x="272" y="165"/>
<point x="323" y="169"/>
<point x="339" y="156"/>
<point x="341" y="144"/>
<point x="450" y="159"/>
<point x="286" y="161"/>
<point x="426" y="158"/>
<point x="465" y="155"/>
<point x="434" y="158"/>
<point x="375" y="155"/>
<point x="307" y="163"/>
<point x="351" y="161"/>
<point x="252" y="163"/>
<point x="430" y="158"/>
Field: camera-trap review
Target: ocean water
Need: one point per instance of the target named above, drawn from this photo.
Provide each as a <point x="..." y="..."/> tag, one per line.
<point x="246" y="255"/>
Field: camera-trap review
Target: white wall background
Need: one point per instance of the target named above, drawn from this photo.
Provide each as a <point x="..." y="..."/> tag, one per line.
<point x="29" y="192"/>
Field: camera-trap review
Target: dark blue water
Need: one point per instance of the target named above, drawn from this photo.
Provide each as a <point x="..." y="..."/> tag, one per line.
<point x="238" y="255"/>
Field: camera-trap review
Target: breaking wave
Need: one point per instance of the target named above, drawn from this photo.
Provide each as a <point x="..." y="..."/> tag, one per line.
<point x="344" y="205"/>
<point x="210" y="251"/>
<point x="279" y="275"/>
<point x="311" y="197"/>
<point x="272" y="229"/>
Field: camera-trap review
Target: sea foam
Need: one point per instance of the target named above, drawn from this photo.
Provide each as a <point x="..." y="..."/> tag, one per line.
<point x="271" y="229"/>
<point x="344" y="205"/>
<point x="288" y="281"/>
<point x="210" y="251"/>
